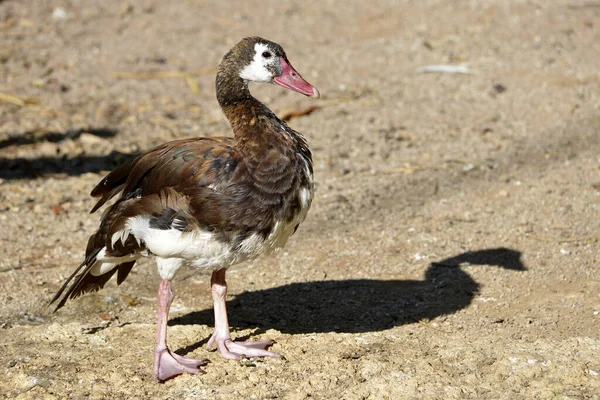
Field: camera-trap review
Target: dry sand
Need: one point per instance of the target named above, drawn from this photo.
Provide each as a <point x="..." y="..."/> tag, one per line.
<point x="452" y="250"/>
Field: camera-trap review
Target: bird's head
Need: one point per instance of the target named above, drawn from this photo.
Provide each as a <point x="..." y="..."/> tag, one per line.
<point x="260" y="60"/>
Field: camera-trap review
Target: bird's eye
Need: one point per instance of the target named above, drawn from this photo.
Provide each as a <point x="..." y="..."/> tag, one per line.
<point x="266" y="54"/>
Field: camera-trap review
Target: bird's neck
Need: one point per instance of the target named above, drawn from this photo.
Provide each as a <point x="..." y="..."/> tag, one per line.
<point x="231" y="89"/>
<point x="239" y="106"/>
<point x="254" y="125"/>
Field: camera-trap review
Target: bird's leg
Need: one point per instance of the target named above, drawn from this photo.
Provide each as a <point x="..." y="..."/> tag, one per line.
<point x="166" y="363"/>
<point x="221" y="336"/>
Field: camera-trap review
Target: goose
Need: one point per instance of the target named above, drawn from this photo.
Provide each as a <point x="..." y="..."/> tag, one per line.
<point x="207" y="203"/>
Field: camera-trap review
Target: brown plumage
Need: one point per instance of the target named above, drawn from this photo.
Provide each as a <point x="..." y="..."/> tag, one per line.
<point x="206" y="202"/>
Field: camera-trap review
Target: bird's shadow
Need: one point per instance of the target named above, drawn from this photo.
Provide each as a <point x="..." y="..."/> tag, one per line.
<point x="358" y="305"/>
<point x="26" y="168"/>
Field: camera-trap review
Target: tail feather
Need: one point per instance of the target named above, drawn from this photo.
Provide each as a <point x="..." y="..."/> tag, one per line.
<point x="105" y="197"/>
<point x="84" y="281"/>
<point x="82" y="270"/>
<point x="123" y="270"/>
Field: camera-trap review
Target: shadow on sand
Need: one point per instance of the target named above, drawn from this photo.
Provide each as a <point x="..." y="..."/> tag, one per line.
<point x="27" y="168"/>
<point x="360" y="305"/>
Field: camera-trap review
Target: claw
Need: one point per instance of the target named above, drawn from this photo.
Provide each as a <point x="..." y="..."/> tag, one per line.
<point x="168" y="365"/>
<point x="236" y="350"/>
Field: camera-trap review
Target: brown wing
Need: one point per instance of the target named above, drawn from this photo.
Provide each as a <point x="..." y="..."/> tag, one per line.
<point x="222" y="185"/>
<point x="158" y="185"/>
<point x="173" y="164"/>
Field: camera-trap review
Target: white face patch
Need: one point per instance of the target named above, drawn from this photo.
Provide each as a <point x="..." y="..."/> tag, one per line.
<point x="257" y="70"/>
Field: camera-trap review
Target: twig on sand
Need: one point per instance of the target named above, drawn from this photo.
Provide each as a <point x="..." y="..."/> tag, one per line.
<point x="16" y="267"/>
<point x="407" y="169"/>
<point x="187" y="76"/>
<point x="591" y="239"/>
<point x="12" y="99"/>
<point x="446" y="69"/>
<point x="192" y="84"/>
<point x="161" y="74"/>
<point x="291" y="114"/>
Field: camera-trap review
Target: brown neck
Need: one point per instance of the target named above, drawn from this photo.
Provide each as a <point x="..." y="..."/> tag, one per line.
<point x="231" y="89"/>
<point x="235" y="99"/>
<point x="238" y="105"/>
<point x="247" y="118"/>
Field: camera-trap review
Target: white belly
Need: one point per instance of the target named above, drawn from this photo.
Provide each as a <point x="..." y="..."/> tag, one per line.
<point x="202" y="249"/>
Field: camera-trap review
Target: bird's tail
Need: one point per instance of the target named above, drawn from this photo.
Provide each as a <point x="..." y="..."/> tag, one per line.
<point x="82" y="280"/>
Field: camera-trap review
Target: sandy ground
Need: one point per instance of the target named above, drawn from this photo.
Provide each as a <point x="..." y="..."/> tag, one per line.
<point x="452" y="249"/>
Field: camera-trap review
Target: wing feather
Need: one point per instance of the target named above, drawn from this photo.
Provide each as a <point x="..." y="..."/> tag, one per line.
<point x="156" y="184"/>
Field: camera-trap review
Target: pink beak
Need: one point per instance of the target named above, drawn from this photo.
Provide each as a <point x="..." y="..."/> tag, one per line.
<point x="290" y="79"/>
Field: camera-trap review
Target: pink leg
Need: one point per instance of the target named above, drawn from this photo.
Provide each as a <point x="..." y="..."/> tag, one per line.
<point x="221" y="336"/>
<point x="166" y="363"/>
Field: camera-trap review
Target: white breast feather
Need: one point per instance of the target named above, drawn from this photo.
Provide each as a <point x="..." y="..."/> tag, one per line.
<point x="305" y="197"/>
<point x="309" y="175"/>
<point x="175" y="243"/>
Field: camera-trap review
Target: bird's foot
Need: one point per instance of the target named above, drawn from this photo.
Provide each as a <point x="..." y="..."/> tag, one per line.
<point x="235" y="350"/>
<point x="168" y="365"/>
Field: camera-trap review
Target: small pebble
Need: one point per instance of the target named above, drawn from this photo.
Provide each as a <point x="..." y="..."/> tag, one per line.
<point x="59" y="14"/>
<point x="499" y="88"/>
<point x="33" y="381"/>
